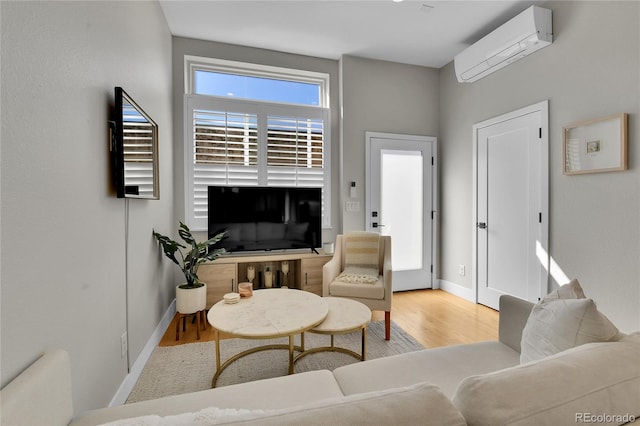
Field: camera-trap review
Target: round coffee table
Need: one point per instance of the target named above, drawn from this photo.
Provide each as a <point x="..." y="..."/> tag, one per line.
<point x="268" y="314"/>
<point x="345" y="316"/>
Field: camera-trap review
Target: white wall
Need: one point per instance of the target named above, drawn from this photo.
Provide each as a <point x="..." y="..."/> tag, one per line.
<point x="591" y="70"/>
<point x="381" y="96"/>
<point x="64" y="271"/>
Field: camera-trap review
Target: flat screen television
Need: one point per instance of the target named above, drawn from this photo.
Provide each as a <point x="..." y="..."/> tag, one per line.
<point x="265" y="218"/>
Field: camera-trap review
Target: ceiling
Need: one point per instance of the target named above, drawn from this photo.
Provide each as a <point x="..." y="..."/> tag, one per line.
<point x="427" y="33"/>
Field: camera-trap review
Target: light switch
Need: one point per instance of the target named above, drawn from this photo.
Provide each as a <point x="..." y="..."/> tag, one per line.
<point x="353" y="206"/>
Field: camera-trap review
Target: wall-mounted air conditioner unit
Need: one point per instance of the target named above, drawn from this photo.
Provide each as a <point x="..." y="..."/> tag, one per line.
<point x="529" y="31"/>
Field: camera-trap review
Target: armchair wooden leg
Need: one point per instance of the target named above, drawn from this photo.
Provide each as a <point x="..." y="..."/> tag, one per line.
<point x="387" y="325"/>
<point x="204" y="319"/>
<point x="198" y="321"/>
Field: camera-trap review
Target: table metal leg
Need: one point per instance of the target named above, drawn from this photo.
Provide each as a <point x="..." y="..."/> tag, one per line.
<point x="220" y="366"/>
<point x="291" y="365"/>
<point x="216" y="336"/>
<point x="333" y="348"/>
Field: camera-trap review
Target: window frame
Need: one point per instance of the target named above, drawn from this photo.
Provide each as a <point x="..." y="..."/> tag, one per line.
<point x="264" y="110"/>
<point x="198" y="63"/>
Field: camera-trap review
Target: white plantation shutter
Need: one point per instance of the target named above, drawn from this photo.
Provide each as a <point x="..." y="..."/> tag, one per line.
<point x="225" y="153"/>
<point x="295" y="154"/>
<point x="295" y="151"/>
<point x="242" y="143"/>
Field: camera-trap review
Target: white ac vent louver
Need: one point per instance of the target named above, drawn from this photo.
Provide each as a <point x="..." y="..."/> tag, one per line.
<point x="526" y="33"/>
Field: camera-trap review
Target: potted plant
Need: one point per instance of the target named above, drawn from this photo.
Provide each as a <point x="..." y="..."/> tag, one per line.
<point x="190" y="296"/>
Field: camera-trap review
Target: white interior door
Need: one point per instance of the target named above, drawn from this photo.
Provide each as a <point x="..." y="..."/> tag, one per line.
<point x="399" y="203"/>
<point x="511" y="207"/>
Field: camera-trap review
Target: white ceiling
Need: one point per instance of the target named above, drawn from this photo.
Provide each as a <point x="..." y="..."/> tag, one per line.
<point x="428" y="33"/>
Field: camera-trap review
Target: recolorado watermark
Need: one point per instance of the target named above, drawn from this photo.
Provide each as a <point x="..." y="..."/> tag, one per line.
<point x="605" y="418"/>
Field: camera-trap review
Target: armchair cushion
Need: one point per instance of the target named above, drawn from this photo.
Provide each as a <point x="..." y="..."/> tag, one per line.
<point x="356" y="274"/>
<point x="358" y="290"/>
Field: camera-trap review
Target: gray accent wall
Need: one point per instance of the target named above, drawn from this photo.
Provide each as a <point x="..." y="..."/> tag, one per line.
<point x="386" y="97"/>
<point x="79" y="266"/>
<point x="591" y="70"/>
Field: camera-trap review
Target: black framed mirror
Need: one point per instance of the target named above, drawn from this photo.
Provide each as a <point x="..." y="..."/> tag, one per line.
<point x="134" y="150"/>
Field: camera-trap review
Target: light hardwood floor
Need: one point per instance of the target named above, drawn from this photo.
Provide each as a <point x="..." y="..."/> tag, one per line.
<point x="433" y="317"/>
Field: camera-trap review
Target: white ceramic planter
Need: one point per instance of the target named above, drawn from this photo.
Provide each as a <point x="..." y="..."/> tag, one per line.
<point x="191" y="300"/>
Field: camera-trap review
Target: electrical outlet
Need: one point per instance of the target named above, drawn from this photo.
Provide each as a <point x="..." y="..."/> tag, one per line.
<point x="123" y="345"/>
<point x="461" y="270"/>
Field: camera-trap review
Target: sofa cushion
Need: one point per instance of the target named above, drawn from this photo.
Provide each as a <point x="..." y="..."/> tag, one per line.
<point x="556" y="325"/>
<point x="421" y="403"/>
<point x="597" y="378"/>
<point x="275" y="393"/>
<point x="444" y="367"/>
<point x="418" y="404"/>
<point x="206" y="416"/>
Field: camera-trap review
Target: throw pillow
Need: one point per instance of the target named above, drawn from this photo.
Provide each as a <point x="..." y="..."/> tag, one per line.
<point x="572" y="290"/>
<point x="361" y="249"/>
<point x="556" y="325"/>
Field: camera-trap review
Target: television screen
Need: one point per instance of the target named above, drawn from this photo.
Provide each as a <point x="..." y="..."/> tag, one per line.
<point x="265" y="218"/>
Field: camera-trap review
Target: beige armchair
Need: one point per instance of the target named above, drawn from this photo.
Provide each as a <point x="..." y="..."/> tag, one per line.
<point x="377" y="296"/>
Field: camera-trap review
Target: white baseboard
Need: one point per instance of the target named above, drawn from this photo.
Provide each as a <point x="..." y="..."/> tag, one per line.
<point x="134" y="374"/>
<point x="458" y="290"/>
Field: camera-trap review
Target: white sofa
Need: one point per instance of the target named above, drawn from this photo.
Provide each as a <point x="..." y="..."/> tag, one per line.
<point x="476" y="384"/>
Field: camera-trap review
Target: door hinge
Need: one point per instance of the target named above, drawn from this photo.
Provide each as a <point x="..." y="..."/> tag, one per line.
<point x="432" y="161"/>
<point x="432" y="269"/>
<point x="540" y="133"/>
<point x="540" y="217"/>
<point x="432" y="214"/>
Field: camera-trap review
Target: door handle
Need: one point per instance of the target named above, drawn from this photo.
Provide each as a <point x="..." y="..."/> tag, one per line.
<point x="481" y="225"/>
<point x="376" y="225"/>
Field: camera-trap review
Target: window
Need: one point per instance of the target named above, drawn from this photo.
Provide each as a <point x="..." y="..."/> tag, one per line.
<point x="278" y="138"/>
<point x="215" y="83"/>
